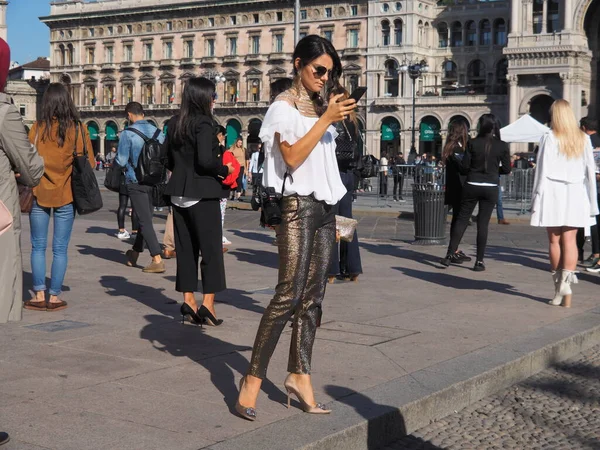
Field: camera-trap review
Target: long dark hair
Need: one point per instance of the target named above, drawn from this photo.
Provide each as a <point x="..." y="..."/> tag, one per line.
<point x="198" y="95"/>
<point x="457" y="137"/>
<point x="488" y="129"/>
<point x="57" y="105"/>
<point x="307" y="50"/>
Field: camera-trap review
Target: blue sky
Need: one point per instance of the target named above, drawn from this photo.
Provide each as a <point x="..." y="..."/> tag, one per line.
<point x="27" y="36"/>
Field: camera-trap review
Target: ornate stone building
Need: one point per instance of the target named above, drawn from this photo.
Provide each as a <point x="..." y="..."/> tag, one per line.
<point x="461" y="41"/>
<point x="113" y="51"/>
<point x="553" y="51"/>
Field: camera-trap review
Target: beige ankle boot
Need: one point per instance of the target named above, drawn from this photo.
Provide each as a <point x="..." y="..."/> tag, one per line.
<point x="556" y="277"/>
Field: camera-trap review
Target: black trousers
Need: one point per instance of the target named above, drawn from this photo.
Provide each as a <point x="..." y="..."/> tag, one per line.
<point x="141" y="202"/>
<point x="240" y="180"/>
<point x="383" y="184"/>
<point x="346" y="255"/>
<point x="486" y="197"/>
<point x="198" y="231"/>
<point x="595" y="235"/>
<point x="398" y="183"/>
<point x="122" y="210"/>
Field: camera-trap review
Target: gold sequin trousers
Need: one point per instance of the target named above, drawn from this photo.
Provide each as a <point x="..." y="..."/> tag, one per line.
<point x="306" y="238"/>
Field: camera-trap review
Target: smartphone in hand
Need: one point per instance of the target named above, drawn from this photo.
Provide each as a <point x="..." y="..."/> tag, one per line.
<point x="358" y="93"/>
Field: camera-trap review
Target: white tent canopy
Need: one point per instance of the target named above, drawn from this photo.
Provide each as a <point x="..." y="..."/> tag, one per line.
<point x="526" y="129"/>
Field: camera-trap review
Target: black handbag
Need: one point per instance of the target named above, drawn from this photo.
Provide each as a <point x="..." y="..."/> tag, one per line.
<point x="114" y="178"/>
<point x="158" y="195"/>
<point x="86" y="193"/>
<point x="346" y="146"/>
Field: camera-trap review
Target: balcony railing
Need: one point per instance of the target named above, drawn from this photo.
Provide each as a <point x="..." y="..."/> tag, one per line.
<point x="351" y="52"/>
<point x="148" y="64"/>
<point x="209" y="60"/>
<point x="109" y="66"/>
<point x="460" y="99"/>
<point x="254" y="57"/>
<point x="279" y="56"/>
<point x="167" y="63"/>
<point x="188" y="62"/>
<point x="127" y="65"/>
<point x="232" y="59"/>
<point x="91" y="67"/>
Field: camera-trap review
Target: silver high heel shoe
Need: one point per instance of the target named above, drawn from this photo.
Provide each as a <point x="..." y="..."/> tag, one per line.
<point x="318" y="408"/>
<point x="244" y="411"/>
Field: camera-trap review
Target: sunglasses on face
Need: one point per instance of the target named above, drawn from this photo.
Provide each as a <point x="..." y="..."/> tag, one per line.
<point x="320" y="71"/>
<point x="214" y="95"/>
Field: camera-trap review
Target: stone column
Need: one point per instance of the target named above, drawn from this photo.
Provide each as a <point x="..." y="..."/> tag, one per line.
<point x="515" y="27"/>
<point x="528" y="16"/>
<point x="513" y="85"/>
<point x="568" y="15"/>
<point x="545" y="17"/>
<point x="102" y="137"/>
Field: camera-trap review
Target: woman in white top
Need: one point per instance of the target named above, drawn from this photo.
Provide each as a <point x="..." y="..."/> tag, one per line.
<point x="564" y="195"/>
<point x="299" y="139"/>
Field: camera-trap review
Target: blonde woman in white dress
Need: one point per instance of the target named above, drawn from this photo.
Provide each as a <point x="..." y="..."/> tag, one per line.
<point x="564" y="195"/>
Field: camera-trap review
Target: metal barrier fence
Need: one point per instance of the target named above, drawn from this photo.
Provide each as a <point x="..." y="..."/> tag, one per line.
<point x="397" y="186"/>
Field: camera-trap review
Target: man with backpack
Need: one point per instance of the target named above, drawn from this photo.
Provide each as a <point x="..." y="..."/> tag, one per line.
<point x="140" y="152"/>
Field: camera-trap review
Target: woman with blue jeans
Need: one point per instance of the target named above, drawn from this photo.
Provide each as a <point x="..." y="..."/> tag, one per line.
<point x="56" y="135"/>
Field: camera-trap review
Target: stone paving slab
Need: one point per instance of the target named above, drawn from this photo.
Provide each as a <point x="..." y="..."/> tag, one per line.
<point x="135" y="371"/>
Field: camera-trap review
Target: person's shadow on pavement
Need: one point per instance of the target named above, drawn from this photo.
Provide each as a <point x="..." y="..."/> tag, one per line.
<point x="386" y="424"/>
<point x="452" y="281"/>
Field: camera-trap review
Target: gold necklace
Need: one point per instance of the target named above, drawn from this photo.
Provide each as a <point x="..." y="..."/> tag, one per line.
<point x="304" y="103"/>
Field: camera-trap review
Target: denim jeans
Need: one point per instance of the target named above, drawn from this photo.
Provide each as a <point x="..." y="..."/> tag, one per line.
<point x="63" y="225"/>
<point x="499" y="209"/>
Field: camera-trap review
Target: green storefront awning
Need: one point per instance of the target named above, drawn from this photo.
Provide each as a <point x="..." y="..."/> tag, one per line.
<point x="93" y="131"/>
<point x="390" y="131"/>
<point x="429" y="132"/>
<point x="111" y="132"/>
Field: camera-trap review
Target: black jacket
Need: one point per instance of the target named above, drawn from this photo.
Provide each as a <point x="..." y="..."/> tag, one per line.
<point x="196" y="163"/>
<point x="480" y="168"/>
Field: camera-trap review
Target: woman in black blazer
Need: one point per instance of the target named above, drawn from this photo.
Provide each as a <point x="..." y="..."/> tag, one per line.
<point x="452" y="157"/>
<point x="195" y="188"/>
<point x="486" y="157"/>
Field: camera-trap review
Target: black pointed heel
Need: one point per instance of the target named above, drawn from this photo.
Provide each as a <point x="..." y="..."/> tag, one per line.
<point x="188" y="313"/>
<point x="211" y="320"/>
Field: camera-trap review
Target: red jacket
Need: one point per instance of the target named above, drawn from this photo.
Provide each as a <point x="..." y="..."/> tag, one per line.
<point x="231" y="179"/>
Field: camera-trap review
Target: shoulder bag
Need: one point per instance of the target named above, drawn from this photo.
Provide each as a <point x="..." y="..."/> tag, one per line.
<point x="86" y="193"/>
<point x="113" y="178"/>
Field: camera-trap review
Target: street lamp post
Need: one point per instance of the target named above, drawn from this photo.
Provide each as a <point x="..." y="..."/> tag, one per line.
<point x="217" y="77"/>
<point x="414" y="70"/>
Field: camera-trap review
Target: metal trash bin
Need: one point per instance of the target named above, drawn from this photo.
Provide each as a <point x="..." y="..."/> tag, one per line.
<point x="429" y="208"/>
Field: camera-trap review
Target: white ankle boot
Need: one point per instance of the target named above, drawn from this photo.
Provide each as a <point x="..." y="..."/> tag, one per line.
<point x="556" y="277"/>
<point x="562" y="282"/>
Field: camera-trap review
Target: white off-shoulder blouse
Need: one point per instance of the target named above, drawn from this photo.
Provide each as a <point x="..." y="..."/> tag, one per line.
<point x="318" y="175"/>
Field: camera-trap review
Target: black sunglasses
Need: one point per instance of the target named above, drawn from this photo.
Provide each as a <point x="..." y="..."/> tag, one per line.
<point x="320" y="70"/>
<point x="214" y="95"/>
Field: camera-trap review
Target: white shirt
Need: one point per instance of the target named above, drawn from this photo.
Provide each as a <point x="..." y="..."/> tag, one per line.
<point x="254" y="163"/>
<point x="318" y="175"/>
<point x="383" y="164"/>
<point x="184" y="202"/>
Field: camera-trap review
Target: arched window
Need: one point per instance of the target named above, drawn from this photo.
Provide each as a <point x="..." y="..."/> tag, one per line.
<point x="485" y="32"/>
<point x="471" y="28"/>
<point x="538" y="16"/>
<point x="70" y="54"/>
<point x="456" y="39"/>
<point x="397" y="32"/>
<point x="426" y="33"/>
<point x="62" y="54"/>
<point x="501" y="81"/>
<point x="420" y="33"/>
<point x="500" y="32"/>
<point x="385" y="33"/>
<point x="476" y="75"/>
<point x="449" y="73"/>
<point x="443" y="35"/>
<point x="391" y="78"/>
<point x="553" y="17"/>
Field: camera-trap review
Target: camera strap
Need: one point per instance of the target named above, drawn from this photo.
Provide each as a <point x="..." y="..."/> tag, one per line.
<point x="285" y="177"/>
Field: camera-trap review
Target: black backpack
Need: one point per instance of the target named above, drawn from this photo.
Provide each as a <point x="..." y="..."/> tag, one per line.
<point x="151" y="167"/>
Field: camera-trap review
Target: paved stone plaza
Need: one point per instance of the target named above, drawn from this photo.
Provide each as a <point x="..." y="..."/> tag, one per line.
<point x="557" y="409"/>
<point x="117" y="370"/>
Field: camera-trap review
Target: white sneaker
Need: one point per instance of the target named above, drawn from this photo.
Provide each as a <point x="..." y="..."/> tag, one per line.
<point x="226" y="241"/>
<point x="123" y="235"/>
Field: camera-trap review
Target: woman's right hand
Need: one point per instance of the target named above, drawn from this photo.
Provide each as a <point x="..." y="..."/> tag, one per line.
<point x="230" y="168"/>
<point x="338" y="111"/>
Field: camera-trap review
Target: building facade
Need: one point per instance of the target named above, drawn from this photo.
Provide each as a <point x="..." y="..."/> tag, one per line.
<point x="115" y="51"/>
<point x="553" y="52"/>
<point x="461" y="42"/>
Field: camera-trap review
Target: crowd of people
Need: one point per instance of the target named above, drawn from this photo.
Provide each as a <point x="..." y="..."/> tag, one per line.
<point x="308" y="155"/>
